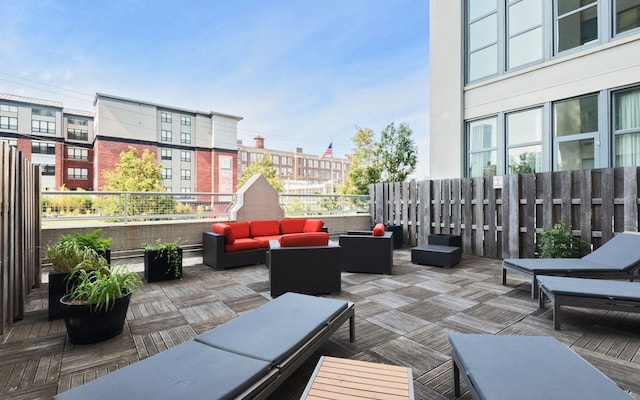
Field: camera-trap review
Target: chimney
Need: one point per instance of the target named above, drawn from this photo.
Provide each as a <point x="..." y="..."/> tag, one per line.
<point x="299" y="150"/>
<point x="259" y="142"/>
<point x="239" y="142"/>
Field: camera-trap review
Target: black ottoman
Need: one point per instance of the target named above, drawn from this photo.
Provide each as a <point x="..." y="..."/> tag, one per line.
<point x="440" y="256"/>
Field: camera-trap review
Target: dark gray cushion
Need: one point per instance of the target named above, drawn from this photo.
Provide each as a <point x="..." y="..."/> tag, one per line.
<point x="276" y="329"/>
<point x="556" y="265"/>
<point x="529" y="367"/>
<point x="190" y="370"/>
<point x="622" y="251"/>
<point x="593" y="288"/>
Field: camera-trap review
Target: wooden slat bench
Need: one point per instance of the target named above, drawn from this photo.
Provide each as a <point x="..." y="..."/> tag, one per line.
<point x="339" y="378"/>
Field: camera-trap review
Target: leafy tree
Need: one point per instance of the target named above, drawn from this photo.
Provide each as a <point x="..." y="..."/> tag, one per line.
<point x="398" y="152"/>
<point x="365" y="165"/>
<point x="262" y="166"/>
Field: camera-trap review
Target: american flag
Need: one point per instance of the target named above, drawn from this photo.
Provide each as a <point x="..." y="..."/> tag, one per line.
<point x="328" y="152"/>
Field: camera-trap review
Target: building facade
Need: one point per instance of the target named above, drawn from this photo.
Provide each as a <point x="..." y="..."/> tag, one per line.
<point x="533" y="86"/>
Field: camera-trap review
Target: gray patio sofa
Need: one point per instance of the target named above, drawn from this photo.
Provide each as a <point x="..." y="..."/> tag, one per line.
<point x="619" y="258"/>
<point x="526" y="368"/>
<point x="588" y="293"/>
<point x="245" y="358"/>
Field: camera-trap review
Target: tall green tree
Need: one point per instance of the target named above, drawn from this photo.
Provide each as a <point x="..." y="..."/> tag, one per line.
<point x="262" y="166"/>
<point x="398" y="152"/>
<point x="365" y="166"/>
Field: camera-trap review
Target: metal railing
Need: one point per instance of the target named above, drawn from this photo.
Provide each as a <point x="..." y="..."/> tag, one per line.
<point x="324" y="204"/>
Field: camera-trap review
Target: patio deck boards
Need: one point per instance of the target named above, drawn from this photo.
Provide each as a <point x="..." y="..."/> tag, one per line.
<point x="402" y="319"/>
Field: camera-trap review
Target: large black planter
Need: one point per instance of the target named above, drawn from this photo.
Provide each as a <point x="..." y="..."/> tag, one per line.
<point x="85" y="326"/>
<point x="157" y="266"/>
<point x="57" y="289"/>
<point x="106" y="254"/>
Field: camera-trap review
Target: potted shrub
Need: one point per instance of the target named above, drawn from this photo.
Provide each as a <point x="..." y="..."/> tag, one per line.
<point x="96" y="307"/>
<point x="64" y="256"/>
<point x="558" y="242"/>
<point x="93" y="240"/>
<point x="162" y="261"/>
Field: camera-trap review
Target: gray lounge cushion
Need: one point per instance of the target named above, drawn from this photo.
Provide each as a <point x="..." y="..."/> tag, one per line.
<point x="276" y="329"/>
<point x="192" y="369"/>
<point x="592" y="288"/>
<point x="556" y="265"/>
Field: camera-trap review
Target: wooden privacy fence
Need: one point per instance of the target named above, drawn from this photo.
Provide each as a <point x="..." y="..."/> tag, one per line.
<point x="499" y="216"/>
<point x="19" y="233"/>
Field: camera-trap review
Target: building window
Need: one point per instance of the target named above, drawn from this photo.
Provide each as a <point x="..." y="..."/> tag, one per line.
<point x="77" y="134"/>
<point x="165" y="117"/>
<point x="10" y="142"/>
<point x="185" y="120"/>
<point x="43" y="126"/>
<point x="627" y="128"/>
<point x="8" y="108"/>
<point x="166" y="173"/>
<point x="524" y="33"/>
<point x="165" y="154"/>
<point x="43" y="112"/>
<point x="8" y="123"/>
<point x="77" y="121"/>
<point x="48" y="169"/>
<point x="627" y="15"/>
<point x="77" y="154"/>
<point x="43" y="148"/>
<point x="185" y="156"/>
<point x="483" y="151"/>
<point x="482" y="39"/>
<point x="165" y="136"/>
<point x="524" y="141"/>
<point x="575" y="130"/>
<point x="185" y="174"/>
<point x="77" y="173"/>
<point x="576" y="23"/>
<point x="185" y="138"/>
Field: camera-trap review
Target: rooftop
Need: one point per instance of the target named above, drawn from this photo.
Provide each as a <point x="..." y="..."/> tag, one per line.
<point x="401" y="319"/>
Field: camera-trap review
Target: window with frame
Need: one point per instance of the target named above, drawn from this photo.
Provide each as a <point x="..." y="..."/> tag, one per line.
<point x="43" y="148"/>
<point x="75" y="153"/>
<point x="185" y="137"/>
<point x="48" y="169"/>
<point x="77" y="173"/>
<point x="482" y="136"/>
<point x="627" y="15"/>
<point x="626" y="134"/>
<point x="576" y="23"/>
<point x="167" y="173"/>
<point x="77" y="134"/>
<point x="524" y="32"/>
<point x="185" y="156"/>
<point x="165" y="154"/>
<point x="524" y="141"/>
<point x="575" y="130"/>
<point x="43" y="112"/>
<point x="77" y="121"/>
<point x="165" y="136"/>
<point x="185" y="174"/>
<point x="8" y="108"/>
<point x="165" y="117"/>
<point x="185" y="120"/>
<point x="43" y="126"/>
<point x="10" y="142"/>
<point x="482" y="39"/>
<point x="8" y="123"/>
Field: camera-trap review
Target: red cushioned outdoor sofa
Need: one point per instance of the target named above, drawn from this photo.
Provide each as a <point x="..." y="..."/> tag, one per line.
<point x="234" y="244"/>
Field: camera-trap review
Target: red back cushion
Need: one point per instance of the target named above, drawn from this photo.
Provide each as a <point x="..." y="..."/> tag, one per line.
<point x="267" y="227"/>
<point x="292" y="225"/>
<point x="304" y="239"/>
<point x="240" y="229"/>
<point x="223" y="229"/>
<point x="378" y="230"/>
<point x="313" y="225"/>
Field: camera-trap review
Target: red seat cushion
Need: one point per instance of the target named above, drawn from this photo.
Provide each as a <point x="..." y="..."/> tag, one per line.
<point x="264" y="240"/>
<point x="304" y="239"/>
<point x="242" y="244"/>
<point x="313" y="225"/>
<point x="268" y="227"/>
<point x="240" y="230"/>
<point x="292" y="225"/>
<point x="223" y="229"/>
<point x="378" y="230"/>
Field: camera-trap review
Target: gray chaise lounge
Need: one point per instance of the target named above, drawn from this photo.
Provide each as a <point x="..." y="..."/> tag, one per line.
<point x="526" y="368"/>
<point x="245" y="358"/>
<point x="619" y="258"/>
<point x="588" y="293"/>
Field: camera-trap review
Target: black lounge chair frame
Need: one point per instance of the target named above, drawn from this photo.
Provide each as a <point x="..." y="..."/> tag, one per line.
<point x="619" y="258"/>
<point x="588" y="293"/>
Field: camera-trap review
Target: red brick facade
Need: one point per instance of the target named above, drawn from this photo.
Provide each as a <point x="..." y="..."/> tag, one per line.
<point x="107" y="155"/>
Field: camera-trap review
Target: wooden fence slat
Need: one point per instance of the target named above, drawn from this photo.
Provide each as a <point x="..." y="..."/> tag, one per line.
<point x="428" y="211"/>
<point x="514" y="215"/>
<point x="478" y="185"/>
<point x="529" y="214"/>
<point x="630" y="199"/>
<point x="446" y="206"/>
<point x="586" y="193"/>
<point x="606" y="207"/>
<point x="490" y="234"/>
<point x="437" y="206"/>
<point x="455" y="206"/>
<point x="467" y="194"/>
<point x="565" y="197"/>
<point x="412" y="216"/>
<point x="547" y="199"/>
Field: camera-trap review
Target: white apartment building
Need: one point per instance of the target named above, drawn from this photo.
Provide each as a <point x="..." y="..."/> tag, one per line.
<point x="533" y="86"/>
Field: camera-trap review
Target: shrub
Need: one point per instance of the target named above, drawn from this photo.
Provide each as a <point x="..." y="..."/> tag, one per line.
<point x="558" y="242"/>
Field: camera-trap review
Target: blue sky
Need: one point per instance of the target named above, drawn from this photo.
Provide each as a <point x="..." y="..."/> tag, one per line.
<point x="300" y="73"/>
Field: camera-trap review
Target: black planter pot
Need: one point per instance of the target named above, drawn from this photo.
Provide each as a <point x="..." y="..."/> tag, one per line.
<point x="157" y="266"/>
<point x="85" y="326"/>
<point x="106" y="254"/>
<point x="57" y="289"/>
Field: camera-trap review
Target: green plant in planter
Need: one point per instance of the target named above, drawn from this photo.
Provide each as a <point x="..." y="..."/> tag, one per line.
<point x="65" y="255"/>
<point x="169" y="250"/>
<point x="558" y="242"/>
<point x="92" y="240"/>
<point x="99" y="286"/>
